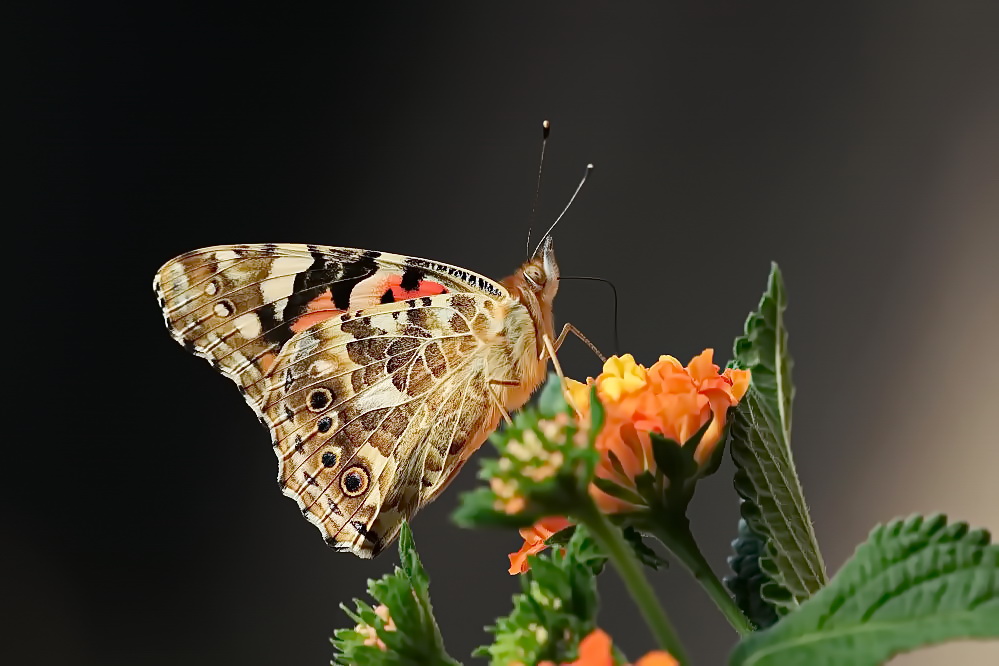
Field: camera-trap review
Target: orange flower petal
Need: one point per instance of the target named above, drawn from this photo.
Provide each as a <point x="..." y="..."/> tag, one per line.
<point x="534" y="541"/>
<point x="595" y="650"/>
<point x="702" y="367"/>
<point x="740" y="382"/>
<point x="580" y="394"/>
<point x="657" y="658"/>
<point x="669" y="360"/>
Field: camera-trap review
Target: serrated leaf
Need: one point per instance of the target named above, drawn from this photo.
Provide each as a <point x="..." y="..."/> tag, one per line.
<point x="774" y="505"/>
<point x="913" y="583"/>
<point x="747" y="583"/>
<point x="773" y="502"/>
<point x="763" y="350"/>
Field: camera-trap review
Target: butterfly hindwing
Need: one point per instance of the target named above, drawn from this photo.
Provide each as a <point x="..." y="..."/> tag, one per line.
<point x="373" y="413"/>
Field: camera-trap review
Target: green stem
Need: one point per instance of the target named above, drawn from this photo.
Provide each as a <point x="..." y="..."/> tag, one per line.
<point x="630" y="569"/>
<point x="674" y="532"/>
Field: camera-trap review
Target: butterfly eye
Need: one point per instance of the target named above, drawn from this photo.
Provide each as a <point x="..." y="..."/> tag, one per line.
<point x="535" y="277"/>
<point x="354" y="481"/>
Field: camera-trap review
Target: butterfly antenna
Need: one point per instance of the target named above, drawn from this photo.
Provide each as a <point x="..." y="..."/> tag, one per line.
<point x="617" y="341"/>
<point x="546" y="128"/>
<point x="589" y="170"/>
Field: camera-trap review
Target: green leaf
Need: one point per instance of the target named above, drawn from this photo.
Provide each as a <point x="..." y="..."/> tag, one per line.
<point x="676" y="461"/>
<point x="556" y="608"/>
<point x="773" y="502"/>
<point x="774" y="507"/>
<point x="914" y="583"/>
<point x="415" y="638"/>
<point x="645" y="554"/>
<point x="748" y="580"/>
<point x="618" y="491"/>
<point x="763" y="349"/>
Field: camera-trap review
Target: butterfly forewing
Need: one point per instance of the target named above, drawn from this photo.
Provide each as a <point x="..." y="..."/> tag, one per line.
<point x="237" y="305"/>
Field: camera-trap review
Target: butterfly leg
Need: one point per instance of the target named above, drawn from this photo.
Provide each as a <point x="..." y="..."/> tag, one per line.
<point x="569" y="328"/>
<point x="499" y="403"/>
<point x="550" y="351"/>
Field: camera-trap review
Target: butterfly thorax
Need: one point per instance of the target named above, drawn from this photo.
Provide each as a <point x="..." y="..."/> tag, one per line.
<point x="528" y="320"/>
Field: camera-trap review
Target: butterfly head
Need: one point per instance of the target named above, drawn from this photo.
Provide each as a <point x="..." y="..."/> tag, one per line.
<point x="540" y="273"/>
<point x="534" y="285"/>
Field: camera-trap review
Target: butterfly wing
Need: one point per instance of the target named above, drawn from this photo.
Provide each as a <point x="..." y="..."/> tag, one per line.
<point x="374" y="414"/>
<point x="277" y="320"/>
<point x="237" y="305"/>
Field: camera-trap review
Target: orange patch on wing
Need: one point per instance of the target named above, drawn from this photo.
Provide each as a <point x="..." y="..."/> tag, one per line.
<point x="267" y="361"/>
<point x="424" y="288"/>
<point x="320" y="309"/>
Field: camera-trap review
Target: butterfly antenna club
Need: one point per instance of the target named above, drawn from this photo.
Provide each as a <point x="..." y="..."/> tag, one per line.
<point x="546" y="128"/>
<point x="586" y="174"/>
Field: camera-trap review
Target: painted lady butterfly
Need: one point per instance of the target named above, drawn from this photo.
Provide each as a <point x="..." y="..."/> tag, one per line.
<point x="378" y="375"/>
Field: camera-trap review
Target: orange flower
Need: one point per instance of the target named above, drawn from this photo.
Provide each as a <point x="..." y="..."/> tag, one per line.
<point x="667" y="399"/>
<point x="595" y="650"/>
<point x="534" y="541"/>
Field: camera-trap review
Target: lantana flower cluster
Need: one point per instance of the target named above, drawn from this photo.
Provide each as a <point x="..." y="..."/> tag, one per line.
<point x="669" y="400"/>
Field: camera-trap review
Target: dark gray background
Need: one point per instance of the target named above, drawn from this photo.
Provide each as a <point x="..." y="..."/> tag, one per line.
<point x="855" y="143"/>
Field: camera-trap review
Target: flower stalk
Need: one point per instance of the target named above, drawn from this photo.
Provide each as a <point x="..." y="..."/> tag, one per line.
<point x="673" y="530"/>
<point x="623" y="559"/>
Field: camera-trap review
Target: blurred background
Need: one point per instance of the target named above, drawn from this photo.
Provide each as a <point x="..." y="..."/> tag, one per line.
<point x="857" y="144"/>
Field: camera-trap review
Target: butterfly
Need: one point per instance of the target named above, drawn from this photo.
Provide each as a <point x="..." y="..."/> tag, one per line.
<point x="377" y="374"/>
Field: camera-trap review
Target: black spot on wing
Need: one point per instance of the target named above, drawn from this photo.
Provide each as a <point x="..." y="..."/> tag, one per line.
<point x="363" y="530"/>
<point x="411" y="278"/>
<point x="326" y="272"/>
<point x="353" y="272"/>
<point x="388" y="296"/>
<point x="275" y="330"/>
